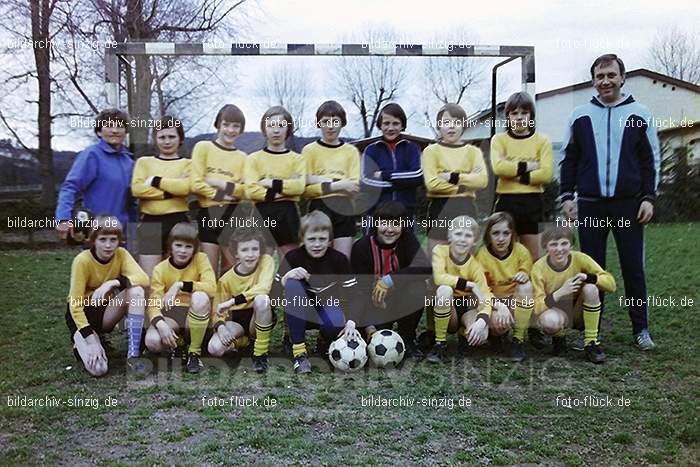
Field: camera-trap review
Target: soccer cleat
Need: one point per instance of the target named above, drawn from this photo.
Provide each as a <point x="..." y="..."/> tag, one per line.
<point x="536" y="338"/>
<point x="194" y="363"/>
<point x="517" y="351"/>
<point x="260" y="363"/>
<point x="302" y="364"/>
<point x="287" y="346"/>
<point x="438" y="353"/>
<point x="578" y="344"/>
<point x="136" y="366"/>
<point x="643" y="340"/>
<point x="322" y="345"/>
<point x="594" y="353"/>
<point x="412" y="350"/>
<point x="463" y="347"/>
<point x="426" y="339"/>
<point x="558" y="345"/>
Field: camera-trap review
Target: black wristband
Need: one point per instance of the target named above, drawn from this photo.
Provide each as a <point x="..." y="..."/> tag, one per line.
<point x="325" y="187"/>
<point x="549" y="301"/>
<point x="156" y="182"/>
<point x="86" y="331"/>
<point x="167" y="195"/>
<point x="270" y="194"/>
<point x="187" y="286"/>
<point x="591" y="279"/>
<point x="525" y="178"/>
<point x="219" y="195"/>
<point x="522" y="168"/>
<point x="483" y="316"/>
<point x="218" y="324"/>
<point x="454" y="178"/>
<point x="461" y="284"/>
<point x="650" y="197"/>
<point x="124" y="282"/>
<point x="156" y="320"/>
<point x="277" y="185"/>
<point x="229" y="188"/>
<point x="239" y="299"/>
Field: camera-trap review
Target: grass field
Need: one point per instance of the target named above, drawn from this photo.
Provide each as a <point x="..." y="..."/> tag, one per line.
<point x="513" y="417"/>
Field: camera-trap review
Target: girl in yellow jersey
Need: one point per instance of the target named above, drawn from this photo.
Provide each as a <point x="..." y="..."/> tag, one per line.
<point x="507" y="265"/>
<point x="333" y="176"/>
<point x="522" y="160"/>
<point x="217" y="180"/>
<point x="275" y="178"/>
<point x="453" y="172"/>
<point x="161" y="183"/>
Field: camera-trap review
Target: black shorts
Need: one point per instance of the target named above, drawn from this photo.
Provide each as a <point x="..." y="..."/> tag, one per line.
<point x="217" y="223"/>
<point x="340" y="209"/>
<point x="527" y="211"/>
<point x="285" y="228"/>
<point x="152" y="232"/>
<point x="464" y="304"/>
<point x="94" y="314"/>
<point x="441" y="210"/>
<point x="245" y="316"/>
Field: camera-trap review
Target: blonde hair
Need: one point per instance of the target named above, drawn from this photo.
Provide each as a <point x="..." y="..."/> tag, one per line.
<point x="185" y="232"/>
<point x="315" y="221"/>
<point x="464" y="222"/>
<point x="105" y="224"/>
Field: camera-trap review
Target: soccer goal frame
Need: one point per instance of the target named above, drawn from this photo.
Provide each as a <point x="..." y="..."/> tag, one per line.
<point x="113" y="55"/>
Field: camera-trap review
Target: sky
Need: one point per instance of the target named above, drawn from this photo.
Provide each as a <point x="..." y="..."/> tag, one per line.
<point x="567" y="36"/>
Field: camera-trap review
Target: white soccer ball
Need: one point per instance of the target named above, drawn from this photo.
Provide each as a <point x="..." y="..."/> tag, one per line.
<point x="386" y="349"/>
<point x="348" y="355"/>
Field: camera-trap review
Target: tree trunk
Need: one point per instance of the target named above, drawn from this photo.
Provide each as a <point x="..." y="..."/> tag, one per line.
<point x="41" y="14"/>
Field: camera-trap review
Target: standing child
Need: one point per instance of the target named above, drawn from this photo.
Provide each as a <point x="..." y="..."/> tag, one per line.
<point x="181" y="291"/>
<point x="275" y="177"/>
<point x="162" y="184"/>
<point x="216" y="178"/>
<point x="317" y="280"/>
<point x="567" y="285"/>
<point x="507" y="265"/>
<point x="463" y="299"/>
<point x="392" y="164"/>
<point x="242" y="306"/>
<point x="453" y="172"/>
<point x="333" y="175"/>
<point x="92" y="308"/>
<point x="522" y="160"/>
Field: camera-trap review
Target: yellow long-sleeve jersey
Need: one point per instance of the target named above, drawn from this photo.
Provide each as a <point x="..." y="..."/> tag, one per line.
<point x="509" y="157"/>
<point x="287" y="170"/>
<point x="197" y="275"/>
<point x="500" y="271"/>
<point x="447" y="272"/>
<point x="88" y="273"/>
<point x="210" y="159"/>
<point x="335" y="162"/>
<point x="459" y="161"/>
<point x="546" y="279"/>
<point x="169" y="189"/>
<point x="243" y="288"/>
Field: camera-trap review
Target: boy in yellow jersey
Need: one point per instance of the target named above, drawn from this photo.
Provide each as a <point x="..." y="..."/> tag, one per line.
<point x="161" y="183"/>
<point x="507" y="265"/>
<point x="275" y="177"/>
<point x="182" y="288"/>
<point x="216" y="177"/>
<point x="242" y="304"/>
<point x="453" y="172"/>
<point x="333" y="175"/>
<point x="567" y="285"/>
<point x="522" y="160"/>
<point x="92" y="308"/>
<point x="463" y="297"/>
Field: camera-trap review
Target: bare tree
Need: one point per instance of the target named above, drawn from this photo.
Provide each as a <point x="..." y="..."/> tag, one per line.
<point x="371" y="82"/>
<point x="676" y="53"/>
<point x="289" y="87"/>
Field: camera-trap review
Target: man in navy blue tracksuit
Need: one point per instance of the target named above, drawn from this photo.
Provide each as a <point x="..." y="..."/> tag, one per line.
<point x="390" y="168"/>
<point x="611" y="160"/>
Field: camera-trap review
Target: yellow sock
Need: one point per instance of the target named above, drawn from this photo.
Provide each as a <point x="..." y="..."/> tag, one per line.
<point x="262" y="338"/>
<point x="591" y="315"/>
<point x="523" y="312"/>
<point x="441" y="318"/>
<point x="198" y="327"/>
<point x="298" y="349"/>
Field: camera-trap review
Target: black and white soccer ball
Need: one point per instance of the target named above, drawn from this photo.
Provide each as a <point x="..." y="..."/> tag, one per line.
<point x="386" y="349"/>
<point x="348" y="355"/>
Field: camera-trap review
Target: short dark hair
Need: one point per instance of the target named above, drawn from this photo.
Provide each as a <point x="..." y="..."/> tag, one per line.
<point x="520" y="99"/>
<point x="168" y="121"/>
<point x="605" y="59"/>
<point x="555" y="232"/>
<point x="111" y="115"/>
<point x="331" y="109"/>
<point x="395" y="111"/>
<point x="230" y="113"/>
<point x="390" y="210"/>
<point x="245" y="234"/>
<point x="184" y="232"/>
<point x="277" y="110"/>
